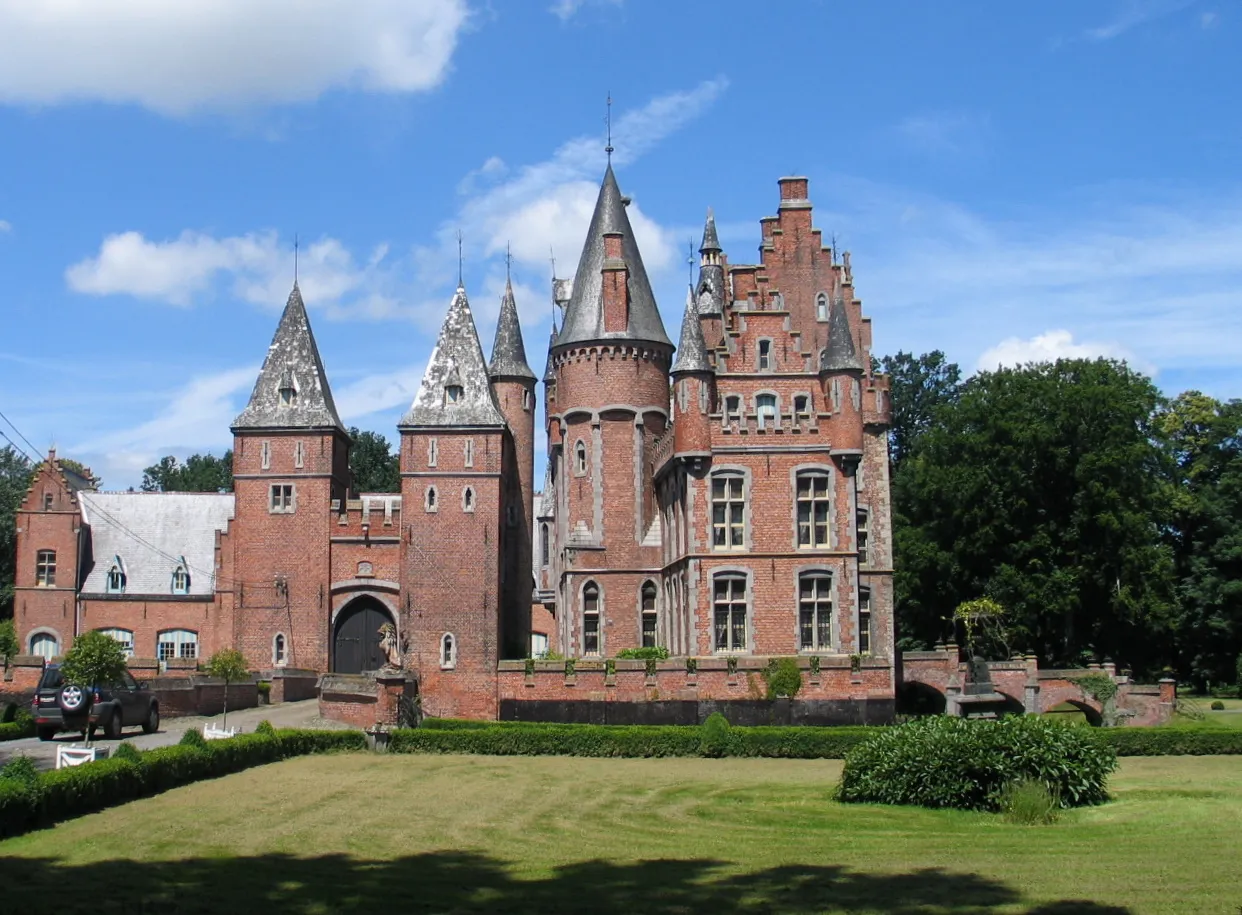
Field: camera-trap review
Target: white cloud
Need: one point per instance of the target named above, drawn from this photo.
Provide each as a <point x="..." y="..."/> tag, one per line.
<point x="5" y="226"/>
<point x="1049" y="347"/>
<point x="567" y="9"/>
<point x="943" y="132"/>
<point x="1208" y="20"/>
<point x="1133" y="13"/>
<point x="175" y="57"/>
<point x="375" y="393"/>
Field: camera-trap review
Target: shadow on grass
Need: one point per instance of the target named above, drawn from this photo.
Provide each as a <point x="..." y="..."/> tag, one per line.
<point x="469" y="883"/>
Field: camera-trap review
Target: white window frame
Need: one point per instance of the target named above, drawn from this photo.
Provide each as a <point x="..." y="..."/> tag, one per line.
<point x="864" y="620"/>
<point x="448" y="651"/>
<point x="114" y="582"/>
<point x="649" y="588"/>
<point x="45" y="568"/>
<point x="763" y="354"/>
<point x="862" y="535"/>
<point x="280" y="650"/>
<point x="183" y="570"/>
<point x="184" y="642"/>
<point x="38" y="639"/>
<point x="735" y="511"/>
<point x="734" y="577"/>
<point x="813" y="503"/>
<point x="581" y="462"/>
<point x="124" y="636"/>
<point x="597" y="614"/>
<point x="760" y="410"/>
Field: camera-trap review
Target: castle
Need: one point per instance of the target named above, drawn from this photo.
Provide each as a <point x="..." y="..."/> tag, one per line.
<point x="726" y="498"/>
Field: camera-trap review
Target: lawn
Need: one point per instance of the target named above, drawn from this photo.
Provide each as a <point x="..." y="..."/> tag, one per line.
<point x="392" y="834"/>
<point x="1203" y="716"/>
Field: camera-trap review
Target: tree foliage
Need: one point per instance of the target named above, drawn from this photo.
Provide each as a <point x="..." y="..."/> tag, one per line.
<point x="15" y="474"/>
<point x="373" y="464"/>
<point x="95" y="659"/>
<point x="229" y="665"/>
<point x="920" y="386"/>
<point x="199" y="473"/>
<point x="8" y="639"/>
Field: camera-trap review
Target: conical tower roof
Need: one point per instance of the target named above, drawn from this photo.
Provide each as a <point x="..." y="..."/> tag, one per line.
<point x="584" y="316"/>
<point x="292" y="362"/>
<point x="692" y="348"/>
<point x="508" y="351"/>
<point x="549" y="371"/>
<point x="839" y="354"/>
<point x="457" y="370"/>
<point x="710" y="240"/>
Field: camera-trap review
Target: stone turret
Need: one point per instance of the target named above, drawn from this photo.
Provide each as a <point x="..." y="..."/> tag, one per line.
<point x="693" y="387"/>
<point x="841" y="371"/>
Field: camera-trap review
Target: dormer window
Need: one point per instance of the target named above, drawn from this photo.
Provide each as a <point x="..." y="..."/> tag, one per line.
<point x="452" y="393"/>
<point x="116" y="577"/>
<point x="181" y="579"/>
<point x="288" y="390"/>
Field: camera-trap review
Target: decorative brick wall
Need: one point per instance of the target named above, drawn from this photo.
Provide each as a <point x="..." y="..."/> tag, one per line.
<point x="366" y="700"/>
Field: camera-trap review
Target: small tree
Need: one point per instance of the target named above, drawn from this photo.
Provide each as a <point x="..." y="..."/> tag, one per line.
<point x="8" y="639"/>
<point x="229" y="665"/>
<point x="94" y="660"/>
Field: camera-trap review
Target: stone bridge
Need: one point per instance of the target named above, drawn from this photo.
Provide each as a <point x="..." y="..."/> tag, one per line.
<point x="934" y="681"/>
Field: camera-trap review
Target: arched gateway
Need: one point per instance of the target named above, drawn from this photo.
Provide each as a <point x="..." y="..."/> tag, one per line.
<point x="356" y="636"/>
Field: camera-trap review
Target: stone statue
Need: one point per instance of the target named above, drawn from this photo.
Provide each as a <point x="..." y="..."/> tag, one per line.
<point x="390" y="643"/>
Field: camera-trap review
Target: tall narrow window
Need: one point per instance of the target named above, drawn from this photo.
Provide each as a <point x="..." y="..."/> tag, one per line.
<point x="176" y="643"/>
<point x="580" y="464"/>
<point x="181" y="579"/>
<point x="864" y="620"/>
<point x="728" y="512"/>
<point x="125" y="637"/>
<point x="526" y="400"/>
<point x="299" y="454"/>
<point x="265" y="455"/>
<point x="649" y="615"/>
<point x="429" y="499"/>
<point x="729" y="605"/>
<point x="733" y="408"/>
<point x="590" y="619"/>
<point x="448" y="651"/>
<point x="815" y="611"/>
<point x="765" y="408"/>
<point x="469" y="452"/>
<point x="544" y="547"/>
<point x="47" y="501"/>
<point x="278" y="650"/>
<point x="813" y="510"/>
<point x="467" y="499"/>
<point x="433" y="451"/>
<point x="765" y="355"/>
<point x="45" y="568"/>
<point x="863" y="554"/>
<point x="821" y="307"/>
<point x="281" y="498"/>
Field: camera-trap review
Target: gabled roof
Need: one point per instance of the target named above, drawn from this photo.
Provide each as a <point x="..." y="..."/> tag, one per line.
<point x="508" y="351"/>
<point x="150" y="534"/>
<point x="457" y="359"/>
<point x="584" y="316"/>
<point x="292" y="358"/>
<point x="839" y="354"/>
<point x="692" y="348"/>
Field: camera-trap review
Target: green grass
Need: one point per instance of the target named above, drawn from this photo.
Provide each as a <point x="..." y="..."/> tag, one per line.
<point x="1230" y="718"/>
<point x="369" y="833"/>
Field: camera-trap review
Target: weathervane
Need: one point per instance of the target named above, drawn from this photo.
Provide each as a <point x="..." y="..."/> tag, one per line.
<point x="608" y="121"/>
<point x="295" y="258"/>
<point x="460" y="282"/>
<point x="690" y="259"/>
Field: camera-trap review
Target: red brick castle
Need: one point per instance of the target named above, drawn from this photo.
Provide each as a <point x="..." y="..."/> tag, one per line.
<point x="727" y="498"/>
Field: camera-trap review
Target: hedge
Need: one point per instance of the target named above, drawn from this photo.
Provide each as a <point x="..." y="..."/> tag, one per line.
<point x="70" y="792"/>
<point x="533" y="738"/>
<point x="18" y="729"/>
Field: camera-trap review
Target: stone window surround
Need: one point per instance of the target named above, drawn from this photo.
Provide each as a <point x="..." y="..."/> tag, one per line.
<point x="810" y="404"/>
<point x="794" y="473"/>
<point x="599" y="592"/>
<point x="468" y="452"/>
<point x="448" y="651"/>
<point x="41" y="632"/>
<point x="276" y="506"/>
<point x="745" y="474"/>
<point x="265" y="455"/>
<point x="430" y="502"/>
<point x="655" y="590"/>
<point x="821" y="306"/>
<point x="581" y="465"/>
<point x="468" y="500"/>
<point x="280" y="650"/>
<point x="835" y="630"/>
<point x="45" y="568"/>
<point x="732" y="571"/>
<point x="864" y="590"/>
<point x="776" y="416"/>
<point x="760" y="355"/>
<point x="47" y="501"/>
<point x="432" y="452"/>
<point x="862" y="524"/>
<point x="299" y="454"/>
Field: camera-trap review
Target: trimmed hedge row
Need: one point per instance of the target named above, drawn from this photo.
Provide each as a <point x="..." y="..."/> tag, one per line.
<point x="26" y="804"/>
<point x="18" y="729"/>
<point x="530" y="738"/>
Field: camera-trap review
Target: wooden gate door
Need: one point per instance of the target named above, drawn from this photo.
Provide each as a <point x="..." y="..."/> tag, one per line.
<point x="356" y="646"/>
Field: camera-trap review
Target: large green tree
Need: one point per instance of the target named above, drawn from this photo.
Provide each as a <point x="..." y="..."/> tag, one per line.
<point x="1204" y="440"/>
<point x="15" y="472"/>
<point x="920" y="386"/>
<point x="199" y="473"/>
<point x="374" y="466"/>
<point x="1043" y="488"/>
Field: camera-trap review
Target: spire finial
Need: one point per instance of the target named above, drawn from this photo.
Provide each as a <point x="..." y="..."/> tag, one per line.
<point x="295" y="258"/>
<point x="608" y="120"/>
<point x="460" y="281"/>
<point x="690" y="260"/>
<point x="508" y="264"/>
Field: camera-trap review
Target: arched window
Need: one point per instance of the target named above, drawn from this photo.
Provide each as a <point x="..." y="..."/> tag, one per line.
<point x="278" y="650"/>
<point x="45" y="645"/>
<point x="864" y="621"/>
<point x="181" y="579"/>
<point x="545" y="548"/>
<point x="815" y="611"/>
<point x="590" y="618"/>
<point x="802" y="405"/>
<point x="116" y="577"/>
<point x="728" y="511"/>
<point x="765" y="408"/>
<point x="467" y="499"/>
<point x="452" y="393"/>
<point x="729" y="611"/>
<point x="429" y="499"/>
<point x="580" y="463"/>
<point x="821" y="307"/>
<point x="526" y="399"/>
<point x="765" y="355"/>
<point x="813" y="510"/>
<point x="649" y="614"/>
<point x="176" y="643"/>
<point x="448" y="651"/>
<point x="862" y="529"/>
<point x="125" y="637"/>
<point x="45" y="568"/>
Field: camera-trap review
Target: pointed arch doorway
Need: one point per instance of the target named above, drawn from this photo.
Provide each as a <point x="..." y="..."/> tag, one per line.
<point x="356" y="638"/>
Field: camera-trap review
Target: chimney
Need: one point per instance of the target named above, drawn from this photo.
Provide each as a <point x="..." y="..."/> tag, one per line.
<point x="616" y="285"/>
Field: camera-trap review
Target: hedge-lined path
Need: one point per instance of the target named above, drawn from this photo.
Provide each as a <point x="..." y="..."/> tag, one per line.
<point x="303" y="714"/>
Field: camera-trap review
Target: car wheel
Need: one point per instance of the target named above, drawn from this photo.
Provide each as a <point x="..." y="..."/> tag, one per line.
<point x="46" y="734"/>
<point x="112" y="727"/>
<point x="73" y="699"/>
<point x="152" y="724"/>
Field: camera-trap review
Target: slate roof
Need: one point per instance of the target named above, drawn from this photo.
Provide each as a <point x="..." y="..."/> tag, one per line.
<point x="508" y="351"/>
<point x="839" y="354"/>
<point x="292" y="357"/>
<point x="456" y="359"/>
<point x="151" y="532"/>
<point x="584" y="316"/>
<point x="711" y="242"/>
<point x="692" y="348"/>
<point x="549" y="371"/>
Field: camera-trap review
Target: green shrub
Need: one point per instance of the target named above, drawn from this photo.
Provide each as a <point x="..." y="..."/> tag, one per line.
<point x="21" y="726"/>
<point x="966" y="763"/>
<point x="714" y="736"/>
<point x="264" y="727"/>
<point x="650" y="653"/>
<point x="1029" y="802"/>
<point x="265" y="688"/>
<point x="1218" y="706"/>
<point x="1174" y="741"/>
<point x="20" y="768"/>
<point x="783" y="677"/>
<point x="193" y="737"/>
<point x="127" y="751"/>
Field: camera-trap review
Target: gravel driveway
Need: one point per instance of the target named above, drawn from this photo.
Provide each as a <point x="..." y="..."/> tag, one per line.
<point x="302" y="714"/>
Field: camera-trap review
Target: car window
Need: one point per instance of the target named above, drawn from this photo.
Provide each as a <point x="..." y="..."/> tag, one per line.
<point x="51" y="678"/>
<point x="127" y="680"/>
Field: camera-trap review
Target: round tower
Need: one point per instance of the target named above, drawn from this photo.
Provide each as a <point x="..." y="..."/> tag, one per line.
<point x="693" y="387"/>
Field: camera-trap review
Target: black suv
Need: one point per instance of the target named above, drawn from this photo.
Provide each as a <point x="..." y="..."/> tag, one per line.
<point x="60" y="706"/>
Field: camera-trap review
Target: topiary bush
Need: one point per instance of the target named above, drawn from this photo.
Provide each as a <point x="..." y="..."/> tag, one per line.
<point x="967" y="764"/>
<point x="783" y="677"/>
<point x="656" y="653"/>
<point x="193" y="738"/>
<point x="264" y="727"/>
<point x="714" y="736"/>
<point x="1218" y="706"/>
<point x="127" y="751"/>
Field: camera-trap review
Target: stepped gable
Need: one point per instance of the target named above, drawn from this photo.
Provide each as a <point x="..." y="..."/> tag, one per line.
<point x="292" y="388"/>
<point x="584" y="316"/>
<point x="456" y="363"/>
<point x="508" y="350"/>
<point x="839" y="354"/>
<point x="692" y="348"/>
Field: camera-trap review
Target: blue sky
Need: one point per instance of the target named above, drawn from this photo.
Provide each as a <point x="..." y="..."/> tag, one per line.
<point x="1014" y="181"/>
